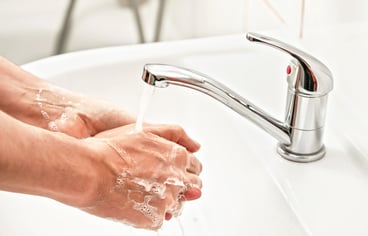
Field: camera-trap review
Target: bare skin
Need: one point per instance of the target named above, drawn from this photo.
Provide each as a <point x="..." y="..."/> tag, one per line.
<point x="148" y="158"/>
<point x="23" y="93"/>
<point x="93" y="160"/>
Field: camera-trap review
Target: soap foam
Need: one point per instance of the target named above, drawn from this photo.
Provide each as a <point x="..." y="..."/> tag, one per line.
<point x="149" y="211"/>
<point x="45" y="98"/>
<point x="145" y="100"/>
<point x="153" y="189"/>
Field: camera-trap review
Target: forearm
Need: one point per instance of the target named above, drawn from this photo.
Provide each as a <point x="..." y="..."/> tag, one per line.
<point x="31" y="99"/>
<point x="139" y="178"/>
<point x="18" y="91"/>
<point x="37" y="102"/>
<point x="39" y="162"/>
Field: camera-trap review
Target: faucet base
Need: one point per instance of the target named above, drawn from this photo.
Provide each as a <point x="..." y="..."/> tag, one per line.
<point x="302" y="158"/>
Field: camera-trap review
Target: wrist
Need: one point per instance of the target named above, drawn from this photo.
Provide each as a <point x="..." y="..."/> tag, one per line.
<point x="76" y="171"/>
<point x="18" y="90"/>
<point x="39" y="162"/>
<point x="106" y="166"/>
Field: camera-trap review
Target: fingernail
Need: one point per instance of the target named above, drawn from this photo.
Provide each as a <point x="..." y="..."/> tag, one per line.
<point x="168" y="216"/>
<point x="192" y="194"/>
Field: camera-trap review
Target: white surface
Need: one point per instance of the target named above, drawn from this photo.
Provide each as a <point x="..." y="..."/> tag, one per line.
<point x="248" y="188"/>
<point x="28" y="29"/>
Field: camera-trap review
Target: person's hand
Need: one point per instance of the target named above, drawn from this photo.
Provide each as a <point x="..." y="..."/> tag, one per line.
<point x="145" y="176"/>
<point x="76" y="115"/>
<point x="32" y="100"/>
<point x="140" y="178"/>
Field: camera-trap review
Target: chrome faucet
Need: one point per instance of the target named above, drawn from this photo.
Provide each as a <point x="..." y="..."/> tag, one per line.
<point x="309" y="82"/>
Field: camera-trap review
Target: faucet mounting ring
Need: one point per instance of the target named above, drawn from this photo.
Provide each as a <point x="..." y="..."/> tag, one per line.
<point x="303" y="158"/>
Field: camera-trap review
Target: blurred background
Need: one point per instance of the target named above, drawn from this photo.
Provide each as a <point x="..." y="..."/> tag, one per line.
<point x="34" y="29"/>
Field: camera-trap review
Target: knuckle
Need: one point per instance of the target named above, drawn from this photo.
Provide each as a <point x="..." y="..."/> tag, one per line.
<point x="199" y="183"/>
<point x="178" y="130"/>
<point x="180" y="156"/>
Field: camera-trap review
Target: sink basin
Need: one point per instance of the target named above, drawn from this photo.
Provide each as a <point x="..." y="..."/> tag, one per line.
<point x="248" y="188"/>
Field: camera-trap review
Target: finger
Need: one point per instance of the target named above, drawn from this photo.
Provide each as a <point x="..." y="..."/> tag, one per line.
<point x="184" y="159"/>
<point x="168" y="216"/>
<point x="195" y="166"/>
<point x="175" y="134"/>
<point x="192" y="181"/>
<point x="173" y="204"/>
<point x="192" y="194"/>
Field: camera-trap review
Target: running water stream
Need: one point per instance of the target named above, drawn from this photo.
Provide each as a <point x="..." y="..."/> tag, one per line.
<point x="175" y="227"/>
<point x="146" y="97"/>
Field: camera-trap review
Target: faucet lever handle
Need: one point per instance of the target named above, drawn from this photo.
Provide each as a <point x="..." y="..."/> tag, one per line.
<point x="312" y="78"/>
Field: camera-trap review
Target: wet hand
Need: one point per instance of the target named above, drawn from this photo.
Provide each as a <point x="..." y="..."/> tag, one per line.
<point x="149" y="176"/>
<point x="32" y="100"/>
<point x="76" y="115"/>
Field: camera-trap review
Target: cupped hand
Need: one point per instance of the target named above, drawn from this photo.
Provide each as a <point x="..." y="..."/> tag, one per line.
<point x="149" y="176"/>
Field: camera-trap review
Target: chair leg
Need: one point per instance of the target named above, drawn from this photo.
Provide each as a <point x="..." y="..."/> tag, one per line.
<point x="134" y="6"/>
<point x="65" y="29"/>
<point x="66" y="26"/>
<point x="159" y="18"/>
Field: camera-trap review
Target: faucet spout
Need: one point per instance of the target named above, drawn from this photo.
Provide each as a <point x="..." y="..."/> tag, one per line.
<point x="161" y="75"/>
<point x="309" y="82"/>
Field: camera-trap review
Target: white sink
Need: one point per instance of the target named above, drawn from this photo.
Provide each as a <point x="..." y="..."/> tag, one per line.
<point x="248" y="188"/>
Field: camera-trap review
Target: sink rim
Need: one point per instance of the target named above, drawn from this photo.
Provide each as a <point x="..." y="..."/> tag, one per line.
<point x="283" y="172"/>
